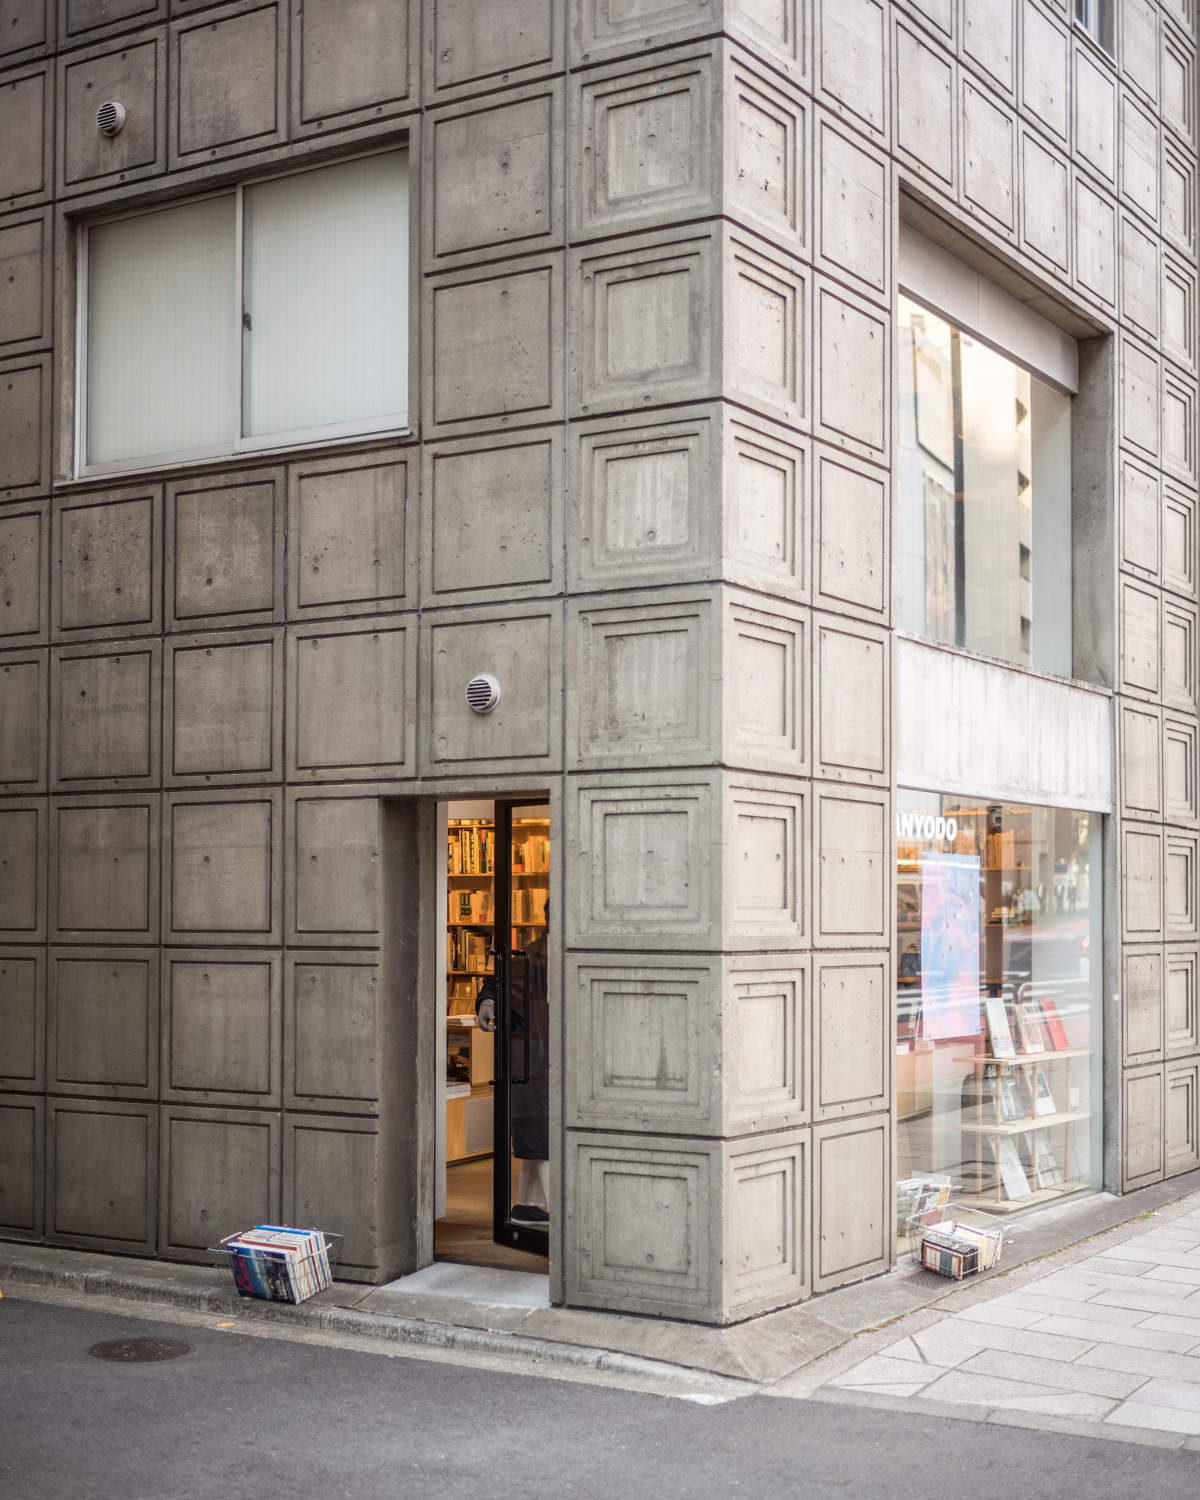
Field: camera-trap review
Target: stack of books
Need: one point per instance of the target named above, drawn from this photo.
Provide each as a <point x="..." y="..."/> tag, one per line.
<point x="279" y="1264"/>
<point x="957" y="1250"/>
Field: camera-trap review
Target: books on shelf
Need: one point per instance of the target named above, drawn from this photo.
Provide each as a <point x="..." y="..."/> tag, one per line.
<point x="1046" y="1170"/>
<point x="1029" y="1027"/>
<point x="468" y="950"/>
<point x="997" y="1026"/>
<point x="1043" y="1098"/>
<point x="470" y="849"/>
<point x="1008" y="1093"/>
<point x="1012" y="1174"/>
<point x="1056" y="1032"/>
<point x="531" y="853"/>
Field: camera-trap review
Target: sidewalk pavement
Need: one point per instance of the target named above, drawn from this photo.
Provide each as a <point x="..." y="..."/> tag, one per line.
<point x="1092" y="1321"/>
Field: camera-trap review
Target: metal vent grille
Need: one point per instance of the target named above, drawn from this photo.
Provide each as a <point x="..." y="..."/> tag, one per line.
<point x="483" y="693"/>
<point x="110" y="118"/>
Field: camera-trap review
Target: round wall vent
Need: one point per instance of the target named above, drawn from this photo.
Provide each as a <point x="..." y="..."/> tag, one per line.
<point x="483" y="693"/>
<point x="110" y="118"/>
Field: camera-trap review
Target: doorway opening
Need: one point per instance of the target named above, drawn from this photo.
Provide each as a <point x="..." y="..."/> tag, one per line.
<point x="494" y="1190"/>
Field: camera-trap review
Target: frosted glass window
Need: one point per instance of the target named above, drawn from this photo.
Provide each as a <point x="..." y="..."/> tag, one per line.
<point x="325" y="336"/>
<point x="162" y="345"/>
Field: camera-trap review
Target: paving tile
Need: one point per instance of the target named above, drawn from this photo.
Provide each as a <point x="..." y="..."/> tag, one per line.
<point x="1159" y="1418"/>
<point x="1177" y="1275"/>
<point x="905" y="1349"/>
<point x="989" y="1390"/>
<point x="878" y="1369"/>
<point x="1173" y="1323"/>
<point x="960" y="1339"/>
<point x="1140" y="1338"/>
<point x="1136" y="1250"/>
<point x="1143" y="1361"/>
<point x="887" y="1388"/>
<point x="1151" y="1297"/>
<point x="1183" y="1394"/>
<point x="1057" y="1374"/>
<point x="1002" y="1313"/>
<point x="1092" y="1312"/>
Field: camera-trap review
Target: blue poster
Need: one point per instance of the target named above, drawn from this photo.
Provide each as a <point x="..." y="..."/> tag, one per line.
<point x="950" y="945"/>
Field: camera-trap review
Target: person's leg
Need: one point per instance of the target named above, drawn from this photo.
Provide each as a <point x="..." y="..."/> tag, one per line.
<point x="533" y="1186"/>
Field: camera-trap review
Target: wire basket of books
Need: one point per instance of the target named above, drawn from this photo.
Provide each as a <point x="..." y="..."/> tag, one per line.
<point x="960" y="1242"/>
<point x="278" y="1263"/>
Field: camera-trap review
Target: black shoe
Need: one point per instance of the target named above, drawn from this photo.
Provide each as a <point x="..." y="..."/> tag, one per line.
<point x="529" y="1216"/>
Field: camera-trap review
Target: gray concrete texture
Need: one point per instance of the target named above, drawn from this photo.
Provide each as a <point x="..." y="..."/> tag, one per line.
<point x="647" y="483"/>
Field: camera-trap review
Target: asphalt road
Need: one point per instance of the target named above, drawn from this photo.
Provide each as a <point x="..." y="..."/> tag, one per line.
<point x="249" y="1416"/>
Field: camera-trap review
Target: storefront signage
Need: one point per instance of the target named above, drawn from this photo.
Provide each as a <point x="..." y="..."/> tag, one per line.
<point x="927" y="826"/>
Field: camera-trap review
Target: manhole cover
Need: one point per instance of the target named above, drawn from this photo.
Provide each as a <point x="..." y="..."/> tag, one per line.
<point x="140" y="1351"/>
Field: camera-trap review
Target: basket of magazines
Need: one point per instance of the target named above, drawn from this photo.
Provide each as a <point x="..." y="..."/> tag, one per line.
<point x="960" y="1243"/>
<point x="277" y="1263"/>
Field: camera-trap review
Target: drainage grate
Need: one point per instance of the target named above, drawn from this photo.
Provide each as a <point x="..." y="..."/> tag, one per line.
<point x="140" y="1351"/>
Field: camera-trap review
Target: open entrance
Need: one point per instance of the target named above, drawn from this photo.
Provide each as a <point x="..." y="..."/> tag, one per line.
<point x="494" y="1190"/>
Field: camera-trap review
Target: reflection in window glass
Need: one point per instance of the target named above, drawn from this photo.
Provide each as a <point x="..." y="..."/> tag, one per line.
<point x="998" y="1025"/>
<point x="984" y="504"/>
<point x="1094" y="17"/>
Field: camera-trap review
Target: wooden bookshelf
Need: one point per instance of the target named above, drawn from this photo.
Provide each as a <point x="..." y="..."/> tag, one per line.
<point x="470" y="1051"/>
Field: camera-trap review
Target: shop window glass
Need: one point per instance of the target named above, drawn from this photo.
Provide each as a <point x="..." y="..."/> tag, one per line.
<point x="998" y="1020"/>
<point x="984" y="498"/>
<point x="1095" y="16"/>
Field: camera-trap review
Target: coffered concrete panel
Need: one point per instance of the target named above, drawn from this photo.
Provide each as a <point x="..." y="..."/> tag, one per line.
<point x="1177" y="75"/>
<point x="352" y="535"/>
<point x="23" y="846"/>
<point x="766" y="675"/>
<point x="473" y="45"/>
<point x="24" y="573"/>
<point x="767" y="842"/>
<point x="852" y="223"/>
<point x="768" y="1211"/>
<point x="1095" y="100"/>
<point x="109" y="563"/>
<point x="767" y="159"/>
<point x="102" y="1168"/>
<point x="353" y="61"/>
<point x="1178" y="194"/>
<point x="600" y="28"/>
<point x="767" y="1041"/>
<point x="851" y="730"/>
<point x="1139" y="44"/>
<point x="26" y="280"/>
<point x="223" y="708"/>
<point x="104" y="868"/>
<point x="221" y="1027"/>
<point x="24" y="701"/>
<point x="1143" y="1154"/>
<point x="780" y="29"/>
<point x="989" y="153"/>
<point x="86" y="20"/>
<point x="852" y="848"/>
<point x="644" y="873"/>
<point x="24" y="425"/>
<point x="989" y="39"/>
<point x="218" y="1169"/>
<point x="1142" y="998"/>
<point x="851" y="402"/>
<point x="133" y="74"/>
<point x="646" y="322"/>
<point x="767" y="483"/>
<point x="522" y="649"/>
<point x="222" y="867"/>
<point x="852" y="1208"/>
<point x="1141" y="884"/>
<point x="1045" y="203"/>
<point x="1139" y="158"/>
<point x="22" y="1178"/>
<point x="640" y="685"/>
<point x="850" y="60"/>
<point x="1181" y="1001"/>
<point x="1179" y="770"/>
<point x="852" y="1035"/>
<point x="331" y="1175"/>
<point x="224" y="541"/>
<point x="1182" y="1119"/>
<point x="1140" y="522"/>
<point x="1141" y="651"/>
<point x="333" y="869"/>
<point x="494" y="178"/>
<point x="1045" y="69"/>
<point x="1179" y="425"/>
<point x="1179" y="311"/>
<point x="107" y="714"/>
<point x="331" y="1028"/>
<point x="229" y="80"/>
<point x="103" y="1022"/>
<point x="513" y="544"/>
<point x="1140" y="737"/>
<point x="1181" y="854"/>
<point x="851" y="547"/>
<point x="1179" y="632"/>
<point x="352" y="700"/>
<point x="650" y="146"/>
<point x="26" y="29"/>
<point x="495" y="342"/>
<point x="766" y="333"/>
<point x="22" y="1019"/>
<point x="27" y="129"/>
<point x="925" y="88"/>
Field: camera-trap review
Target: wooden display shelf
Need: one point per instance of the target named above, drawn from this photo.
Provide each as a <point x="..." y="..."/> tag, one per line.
<point x="1023" y="1127"/>
<point x="1031" y="1059"/>
<point x="1032" y="1199"/>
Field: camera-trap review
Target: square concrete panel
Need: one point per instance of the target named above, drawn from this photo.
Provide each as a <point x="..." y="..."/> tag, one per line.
<point x="221" y="1028"/>
<point x="1139" y="45"/>
<point x="522" y="650"/>
<point x="24" y="425"/>
<point x="26" y="127"/>
<point x="512" y="544"/>
<point x="851" y="878"/>
<point x="1179" y="665"/>
<point x="23" y="871"/>
<point x="1139" y="158"/>
<point x="1178" y="177"/>
<point x="643" y="512"/>
<point x="604" y="27"/>
<point x="352" y="700"/>
<point x="852" y="373"/>
<point x="1095" y="242"/>
<point x="105" y="868"/>
<point x="645" y="323"/>
<point x="26" y="28"/>
<point x="1140" y="779"/>
<point x="1182" y="1113"/>
<point x="1181" y="1001"/>
<point x="767" y="483"/>
<point x="766" y="702"/>
<point x="767" y="843"/>
<point x="852" y="1036"/>
<point x="22" y="1153"/>
<point x="1045" y="71"/>
<point x="102" y="1175"/>
<point x="352" y="546"/>
<point x="331" y="1175"/>
<point x="85" y="20"/>
<point x="1180" y="856"/>
<point x="768" y="1210"/>
<point x="220" y="1170"/>
<point x="472" y="44"/>
<point x="134" y="75"/>
<point x="988" y="158"/>
<point x="989" y="38"/>
<point x="766" y="333"/>
<point x="852" y="227"/>
<point x="767" y="176"/>
<point x="1177" y="74"/>
<point x="1142" y="999"/>
<point x="1141" y="884"/>
<point x="850" y="60"/>
<point x="22" y="1019"/>
<point x="1140" y="522"/>
<point x="1179" y="311"/>
<point x="103" y="1022"/>
<point x="1141" y="652"/>
<point x="335" y="845"/>
<point x="851" y="1201"/>
<point x="495" y="341"/>
<point x="26" y="275"/>
<point x="1179" y="770"/>
<point x="1144" y="1153"/>
<point x="1095" y="98"/>
<point x="493" y="182"/>
<point x="352" y="61"/>
<point x="332" y="1028"/>
<point x="222" y="860"/>
<point x="783" y="28"/>
<point x="24" y="698"/>
<point x="851" y="730"/>
<point x="225" y="550"/>
<point x="1179" y="425"/>
<point x="924" y="102"/>
<point x="851" y="547"/>
<point x="767" y="1041"/>
<point x="229" y="81"/>
<point x="223" y="717"/>
<point x="1045" y="203"/>
<point x="107" y="715"/>
<point x="109" y="563"/>
<point x="24" y="573"/>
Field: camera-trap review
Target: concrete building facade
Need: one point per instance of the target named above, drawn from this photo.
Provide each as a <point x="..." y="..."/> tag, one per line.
<point x="650" y="332"/>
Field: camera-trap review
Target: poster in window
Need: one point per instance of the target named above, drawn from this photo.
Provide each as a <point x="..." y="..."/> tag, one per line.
<point x="950" y="945"/>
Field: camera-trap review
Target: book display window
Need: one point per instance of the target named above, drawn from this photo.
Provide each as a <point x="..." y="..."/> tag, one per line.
<point x="998" y="1042"/>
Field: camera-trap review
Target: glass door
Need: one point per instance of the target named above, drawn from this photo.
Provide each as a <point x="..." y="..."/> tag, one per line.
<point x="522" y="1071"/>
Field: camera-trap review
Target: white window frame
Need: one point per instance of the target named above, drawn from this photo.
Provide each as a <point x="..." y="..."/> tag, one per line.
<point x="390" y="424"/>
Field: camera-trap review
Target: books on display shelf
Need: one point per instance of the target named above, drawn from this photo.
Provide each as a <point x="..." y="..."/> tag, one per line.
<point x="1043" y="1098"/>
<point x="470" y="850"/>
<point x="1011" y="1104"/>
<point x="279" y="1264"/>
<point x="531" y="854"/>
<point x="1012" y="1174"/>
<point x="1046" y="1171"/>
<point x="474" y="906"/>
<point x="1056" y="1032"/>
<point x="467" y="950"/>
<point x="998" y="1029"/>
<point x="1029" y="1027"/>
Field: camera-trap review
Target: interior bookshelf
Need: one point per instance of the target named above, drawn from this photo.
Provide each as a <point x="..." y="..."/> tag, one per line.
<point x="470" y="919"/>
